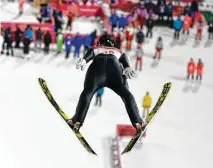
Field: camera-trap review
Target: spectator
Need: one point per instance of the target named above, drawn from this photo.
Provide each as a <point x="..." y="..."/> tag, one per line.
<point x="199" y="30"/>
<point x="93" y="37"/>
<point x="129" y="37"/>
<point x="150" y="6"/>
<point x="68" y="45"/>
<point x="151" y="14"/>
<point x="169" y="13"/>
<point x="210" y="29"/>
<point x="187" y="10"/>
<point x="146" y="103"/>
<point x="140" y="37"/>
<point x="10" y="45"/>
<point x="113" y="4"/>
<point x="59" y="41"/>
<point x="194" y="9"/>
<point x="114" y="20"/>
<point x="39" y="37"/>
<point x="45" y="13"/>
<point x="58" y="20"/>
<point x="159" y="48"/>
<point x="21" y="6"/>
<point x="47" y="42"/>
<point x="26" y="43"/>
<point x="142" y="13"/>
<point x="77" y="42"/>
<point x="99" y="95"/>
<point x="18" y="37"/>
<point x="117" y="35"/>
<point x="186" y="24"/>
<point x="149" y="25"/>
<point x="191" y="69"/>
<point x="118" y="41"/>
<point x="122" y="21"/>
<point x="131" y="18"/>
<point x="199" y="69"/>
<point x="87" y="42"/>
<point x="70" y="20"/>
<point x="177" y="27"/>
<point x="161" y="12"/>
<point x="159" y="2"/>
<point x="139" y="57"/>
<point x="7" y="41"/>
<point x="29" y="32"/>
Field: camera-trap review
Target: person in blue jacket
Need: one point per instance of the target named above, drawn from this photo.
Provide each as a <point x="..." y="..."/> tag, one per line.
<point x="87" y="42"/>
<point x="93" y="35"/>
<point x="187" y="10"/>
<point x="169" y="13"/>
<point x="29" y="32"/>
<point x="99" y="94"/>
<point x="177" y="25"/>
<point x="77" y="42"/>
<point x="68" y="45"/>
<point x="122" y="21"/>
<point x="113" y="20"/>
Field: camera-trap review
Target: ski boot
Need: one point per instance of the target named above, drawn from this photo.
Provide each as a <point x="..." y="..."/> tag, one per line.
<point x="139" y="126"/>
<point x="75" y="126"/>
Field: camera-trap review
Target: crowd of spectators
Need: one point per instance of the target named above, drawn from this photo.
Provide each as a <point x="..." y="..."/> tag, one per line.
<point x="124" y="26"/>
<point x="42" y="39"/>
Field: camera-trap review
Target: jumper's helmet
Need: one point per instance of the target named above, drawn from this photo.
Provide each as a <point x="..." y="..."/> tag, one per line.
<point x="106" y="40"/>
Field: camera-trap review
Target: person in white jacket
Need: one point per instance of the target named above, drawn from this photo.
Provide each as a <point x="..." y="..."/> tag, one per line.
<point x="139" y="57"/>
<point x="159" y="48"/>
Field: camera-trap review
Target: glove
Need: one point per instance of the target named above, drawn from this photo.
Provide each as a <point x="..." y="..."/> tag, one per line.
<point x="129" y="73"/>
<point x="81" y="63"/>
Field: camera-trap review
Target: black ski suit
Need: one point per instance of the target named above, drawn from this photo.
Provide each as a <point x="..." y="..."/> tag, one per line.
<point x="106" y="71"/>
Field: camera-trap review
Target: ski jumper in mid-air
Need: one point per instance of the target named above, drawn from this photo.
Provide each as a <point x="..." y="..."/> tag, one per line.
<point x="110" y="68"/>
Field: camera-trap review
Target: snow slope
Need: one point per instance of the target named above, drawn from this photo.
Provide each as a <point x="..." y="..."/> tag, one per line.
<point x="33" y="135"/>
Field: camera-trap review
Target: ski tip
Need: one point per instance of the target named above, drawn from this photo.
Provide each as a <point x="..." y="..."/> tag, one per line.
<point x="41" y="80"/>
<point x="123" y="152"/>
<point x="168" y="84"/>
<point x="94" y="154"/>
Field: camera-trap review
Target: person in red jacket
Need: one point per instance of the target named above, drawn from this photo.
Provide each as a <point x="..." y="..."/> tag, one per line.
<point x="129" y="37"/>
<point x="199" y="30"/>
<point x="199" y="69"/>
<point x="191" y="69"/>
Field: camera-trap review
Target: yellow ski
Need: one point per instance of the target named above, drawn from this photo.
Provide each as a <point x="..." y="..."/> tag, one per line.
<point x="149" y="118"/>
<point x="48" y="94"/>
